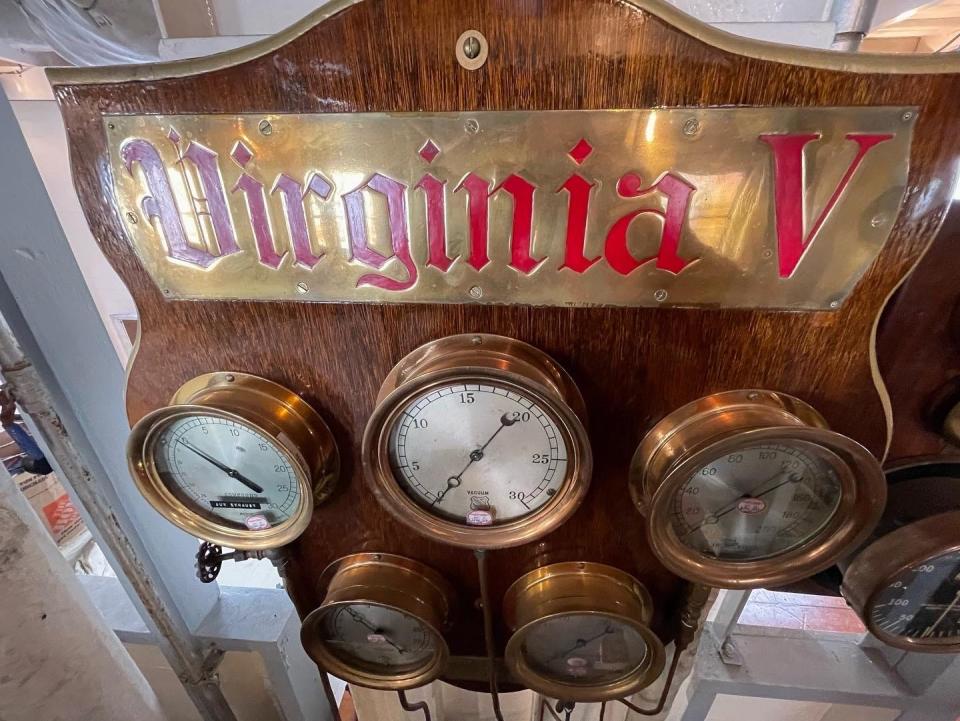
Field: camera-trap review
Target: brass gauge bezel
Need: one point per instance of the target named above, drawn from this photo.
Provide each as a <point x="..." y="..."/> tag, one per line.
<point x="580" y="589"/>
<point x="268" y="408"/>
<point x="479" y="358"/>
<point x="394" y="582"/>
<point x="877" y="566"/>
<point x="718" y="424"/>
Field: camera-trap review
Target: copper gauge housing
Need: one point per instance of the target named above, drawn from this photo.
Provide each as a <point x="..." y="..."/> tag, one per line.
<point x="566" y="603"/>
<point x="712" y="433"/>
<point x="898" y="555"/>
<point x="273" y="415"/>
<point x="484" y="368"/>
<point x="904" y="583"/>
<point x="391" y="587"/>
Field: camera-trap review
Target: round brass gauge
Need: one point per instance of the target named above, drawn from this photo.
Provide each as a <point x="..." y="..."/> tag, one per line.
<point x="749" y="488"/>
<point x="581" y="632"/>
<point x="905" y="582"/>
<point x="477" y="441"/>
<point x="380" y="623"/>
<point x="234" y="459"/>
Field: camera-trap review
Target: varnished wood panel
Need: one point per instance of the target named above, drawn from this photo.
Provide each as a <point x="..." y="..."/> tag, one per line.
<point x="918" y="348"/>
<point x="633" y="365"/>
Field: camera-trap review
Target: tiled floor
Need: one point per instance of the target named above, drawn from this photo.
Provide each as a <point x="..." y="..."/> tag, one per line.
<point x="800" y="611"/>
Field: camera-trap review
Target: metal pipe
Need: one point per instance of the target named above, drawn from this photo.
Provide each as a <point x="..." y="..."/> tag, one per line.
<point x="419" y="706"/>
<point x="852" y="19"/>
<point x="687" y="624"/>
<point x="328" y="692"/>
<point x="488" y="631"/>
<point x="195" y="669"/>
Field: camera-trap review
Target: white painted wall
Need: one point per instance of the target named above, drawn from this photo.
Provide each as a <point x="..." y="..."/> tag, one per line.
<point x="42" y="127"/>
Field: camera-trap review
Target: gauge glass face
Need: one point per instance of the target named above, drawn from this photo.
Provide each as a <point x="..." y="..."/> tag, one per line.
<point x="923" y="602"/>
<point x="479" y="454"/>
<point x="227" y="471"/>
<point x="583" y="649"/>
<point x="758" y="501"/>
<point x="377" y="639"/>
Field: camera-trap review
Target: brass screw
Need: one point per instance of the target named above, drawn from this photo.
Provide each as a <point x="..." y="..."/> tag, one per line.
<point x="471" y="47"/>
<point x="907" y="116"/>
<point x="302" y="287"/>
<point x="472" y="126"/>
<point x="691" y="126"/>
<point x="476" y="292"/>
<point x="471" y="50"/>
<point x="132" y="217"/>
<point x="660" y="295"/>
<point x="229" y="378"/>
<point x="265" y="127"/>
<point x="834" y="303"/>
<point x="877" y="220"/>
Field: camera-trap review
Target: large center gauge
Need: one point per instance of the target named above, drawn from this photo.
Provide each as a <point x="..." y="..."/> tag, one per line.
<point x="749" y="488"/>
<point x="234" y="459"/>
<point x="477" y="441"/>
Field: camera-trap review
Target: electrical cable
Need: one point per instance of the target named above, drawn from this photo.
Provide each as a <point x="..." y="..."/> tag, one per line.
<point x="949" y="42"/>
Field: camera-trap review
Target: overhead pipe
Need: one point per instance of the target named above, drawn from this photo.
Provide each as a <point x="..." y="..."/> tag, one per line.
<point x="852" y="19"/>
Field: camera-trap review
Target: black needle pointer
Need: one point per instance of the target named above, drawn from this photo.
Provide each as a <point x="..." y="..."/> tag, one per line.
<point x="476" y="455"/>
<point x="235" y="475"/>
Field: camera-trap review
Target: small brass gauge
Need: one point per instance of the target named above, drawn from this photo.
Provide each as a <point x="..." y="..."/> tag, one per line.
<point x="905" y="582"/>
<point x="380" y="623"/>
<point x="749" y="488"/>
<point x="581" y="632"/>
<point x="477" y="441"/>
<point x="234" y="459"/>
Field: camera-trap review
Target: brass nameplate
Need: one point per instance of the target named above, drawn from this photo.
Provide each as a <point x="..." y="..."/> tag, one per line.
<point x="726" y="207"/>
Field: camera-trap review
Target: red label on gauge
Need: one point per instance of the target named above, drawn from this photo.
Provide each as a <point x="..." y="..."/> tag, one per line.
<point x="257" y="523"/>
<point x="751" y="505"/>
<point x="480" y="517"/>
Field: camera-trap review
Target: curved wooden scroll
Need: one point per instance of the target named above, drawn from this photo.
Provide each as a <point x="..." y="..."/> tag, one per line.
<point x="633" y="365"/>
<point x="918" y="349"/>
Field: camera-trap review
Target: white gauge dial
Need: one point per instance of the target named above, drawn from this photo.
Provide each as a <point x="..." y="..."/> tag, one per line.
<point x="227" y="470"/>
<point x="478" y="453"/>
<point x="377" y="638"/>
<point x="586" y="649"/>
<point x="758" y="501"/>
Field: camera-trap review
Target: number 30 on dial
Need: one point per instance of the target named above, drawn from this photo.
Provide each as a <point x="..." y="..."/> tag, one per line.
<point x="477" y="441"/>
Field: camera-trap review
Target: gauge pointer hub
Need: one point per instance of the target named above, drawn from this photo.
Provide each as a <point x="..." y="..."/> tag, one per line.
<point x="359" y="618"/>
<point x="756" y="493"/>
<point x="475" y="455"/>
<point x="234" y="474"/>
<point x="581" y="643"/>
